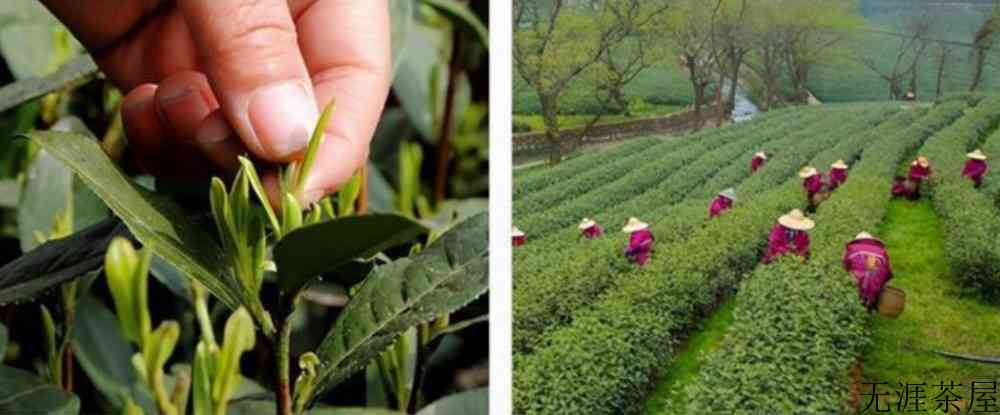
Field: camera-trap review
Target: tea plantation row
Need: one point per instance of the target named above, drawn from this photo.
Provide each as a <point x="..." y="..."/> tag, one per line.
<point x="602" y="360"/>
<point x="798" y="326"/>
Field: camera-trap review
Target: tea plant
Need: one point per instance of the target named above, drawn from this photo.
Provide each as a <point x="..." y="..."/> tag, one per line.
<point x="239" y="277"/>
<point x="815" y="333"/>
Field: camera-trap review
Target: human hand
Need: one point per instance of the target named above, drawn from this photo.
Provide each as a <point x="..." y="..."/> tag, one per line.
<point x="211" y="80"/>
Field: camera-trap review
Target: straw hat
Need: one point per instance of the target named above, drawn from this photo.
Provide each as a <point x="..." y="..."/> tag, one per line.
<point x="586" y="223"/>
<point x="516" y="232"/>
<point x="729" y="193"/>
<point x="634" y="224"/>
<point x="839" y="165"/>
<point x="977" y="155"/>
<point x="796" y="220"/>
<point x="922" y="161"/>
<point x="807" y="172"/>
<point x="863" y="235"/>
<point x="761" y="154"/>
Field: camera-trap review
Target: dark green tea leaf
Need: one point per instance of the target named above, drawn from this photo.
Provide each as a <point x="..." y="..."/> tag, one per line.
<point x="310" y="251"/>
<point x="444" y="277"/>
<point x="473" y="402"/>
<point x="155" y="221"/>
<point x="25" y="393"/>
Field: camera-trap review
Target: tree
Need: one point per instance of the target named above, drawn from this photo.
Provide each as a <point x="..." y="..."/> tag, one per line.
<point x="619" y="66"/>
<point x="809" y="33"/>
<point x="982" y="42"/>
<point x="731" y="34"/>
<point x="941" y="54"/>
<point x="555" y="41"/>
<point x="907" y="57"/>
<point x="689" y="27"/>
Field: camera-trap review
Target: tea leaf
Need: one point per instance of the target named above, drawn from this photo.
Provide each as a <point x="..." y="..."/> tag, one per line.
<point x="25" y="393"/>
<point x="444" y="277"/>
<point x="77" y="72"/>
<point x="463" y="15"/>
<point x="57" y="261"/>
<point x="3" y="341"/>
<point x="155" y="221"/>
<point x="98" y="345"/>
<point x="309" y="251"/>
<point x="401" y="19"/>
<point x="476" y="401"/>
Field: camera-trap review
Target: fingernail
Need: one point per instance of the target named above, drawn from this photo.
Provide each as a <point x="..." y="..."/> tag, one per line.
<point x="215" y="130"/>
<point x="183" y="107"/>
<point x="283" y="116"/>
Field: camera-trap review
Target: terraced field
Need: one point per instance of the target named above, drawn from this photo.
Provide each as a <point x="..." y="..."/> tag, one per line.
<point x="594" y="334"/>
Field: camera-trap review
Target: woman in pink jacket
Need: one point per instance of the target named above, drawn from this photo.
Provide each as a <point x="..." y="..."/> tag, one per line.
<point x="757" y="161"/>
<point x="640" y="244"/>
<point x="590" y="229"/>
<point x="812" y="182"/>
<point x="838" y="174"/>
<point x="867" y="259"/>
<point x="723" y="202"/>
<point x="518" y="236"/>
<point x="789" y="235"/>
<point x="976" y="167"/>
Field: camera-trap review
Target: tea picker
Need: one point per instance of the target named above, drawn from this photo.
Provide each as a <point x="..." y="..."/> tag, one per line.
<point x="975" y="167"/>
<point x="640" y="244"/>
<point x="789" y="236"/>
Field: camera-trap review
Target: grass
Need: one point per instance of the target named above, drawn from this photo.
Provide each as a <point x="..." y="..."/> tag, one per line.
<point x="935" y="315"/>
<point x="669" y="397"/>
<point x="536" y="123"/>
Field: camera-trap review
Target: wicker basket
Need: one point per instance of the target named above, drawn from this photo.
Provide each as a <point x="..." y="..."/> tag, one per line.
<point x="891" y="302"/>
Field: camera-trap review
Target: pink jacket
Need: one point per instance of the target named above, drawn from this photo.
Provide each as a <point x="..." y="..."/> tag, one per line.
<point x="784" y="240"/>
<point x="975" y="170"/>
<point x="640" y="245"/>
<point x="719" y="205"/>
<point x="813" y="184"/>
<point x="519" y="240"/>
<point x="918" y="173"/>
<point x="756" y="163"/>
<point x="837" y="177"/>
<point x="593" y="232"/>
<point x="870" y="282"/>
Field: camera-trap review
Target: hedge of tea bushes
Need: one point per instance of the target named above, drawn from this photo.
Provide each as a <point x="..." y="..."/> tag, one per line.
<point x="799" y="326"/>
<point x="602" y="362"/>
<point x="555" y="246"/>
<point x="598" y="177"/>
<point x="563" y="204"/>
<point x="536" y="180"/>
<point x="547" y="299"/>
<point x="991" y="183"/>
<point x="971" y="221"/>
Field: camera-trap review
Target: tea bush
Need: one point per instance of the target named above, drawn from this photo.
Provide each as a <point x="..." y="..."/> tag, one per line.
<point x="799" y="326"/>
<point x="616" y="344"/>
<point x="546" y="300"/>
<point x="970" y="219"/>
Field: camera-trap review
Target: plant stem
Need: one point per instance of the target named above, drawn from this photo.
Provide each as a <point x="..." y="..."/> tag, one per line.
<point x="284" y="384"/>
<point x="448" y="121"/>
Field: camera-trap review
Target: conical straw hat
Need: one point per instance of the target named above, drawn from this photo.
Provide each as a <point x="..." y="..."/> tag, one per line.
<point x="977" y="155"/>
<point x="923" y="162"/>
<point x="796" y="220"/>
<point x="807" y="172"/>
<point x="634" y="224"/>
<point x="586" y="223"/>
<point x="863" y="235"/>
<point x="839" y="165"/>
<point x="729" y="193"/>
<point x="516" y="232"/>
<point x="761" y="154"/>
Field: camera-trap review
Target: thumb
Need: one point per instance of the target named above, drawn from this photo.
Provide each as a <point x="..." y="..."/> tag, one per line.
<point x="250" y="53"/>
